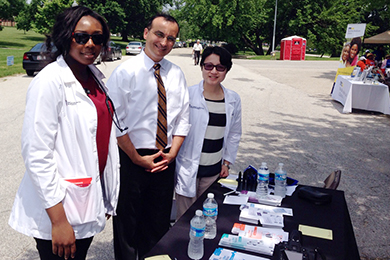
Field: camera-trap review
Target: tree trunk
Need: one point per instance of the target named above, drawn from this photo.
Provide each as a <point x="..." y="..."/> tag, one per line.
<point x="124" y="36"/>
<point x="249" y="43"/>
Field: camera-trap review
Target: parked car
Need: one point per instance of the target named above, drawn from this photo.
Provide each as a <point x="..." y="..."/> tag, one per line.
<point x="134" y="47"/>
<point x="36" y="58"/>
<point x="178" y="45"/>
<point x="113" y="52"/>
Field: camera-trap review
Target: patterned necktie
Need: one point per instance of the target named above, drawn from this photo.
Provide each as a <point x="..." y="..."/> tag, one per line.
<point x="161" y="136"/>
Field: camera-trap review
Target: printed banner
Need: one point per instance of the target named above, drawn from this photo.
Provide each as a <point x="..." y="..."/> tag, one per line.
<point x="352" y="46"/>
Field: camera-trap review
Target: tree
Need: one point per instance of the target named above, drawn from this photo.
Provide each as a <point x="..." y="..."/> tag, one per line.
<point x="377" y="16"/>
<point x="25" y="18"/>
<point x="46" y="14"/>
<point x="10" y="8"/>
<point x="251" y="22"/>
<point x="124" y="16"/>
<point x="40" y="15"/>
<point x="234" y="21"/>
<point x="127" y="17"/>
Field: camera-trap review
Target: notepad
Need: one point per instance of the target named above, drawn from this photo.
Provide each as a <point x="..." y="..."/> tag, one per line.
<point x="158" y="257"/>
<point x="316" y="232"/>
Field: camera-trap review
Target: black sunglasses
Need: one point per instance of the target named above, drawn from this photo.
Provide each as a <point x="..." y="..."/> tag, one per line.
<point x="210" y="66"/>
<point x="83" y="38"/>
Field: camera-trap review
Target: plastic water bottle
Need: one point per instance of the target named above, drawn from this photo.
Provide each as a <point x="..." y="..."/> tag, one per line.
<point x="195" y="246"/>
<point x="210" y="211"/>
<point x="280" y="181"/>
<point x="262" y="181"/>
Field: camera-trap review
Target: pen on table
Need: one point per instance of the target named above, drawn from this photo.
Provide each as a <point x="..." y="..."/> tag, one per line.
<point x="230" y="192"/>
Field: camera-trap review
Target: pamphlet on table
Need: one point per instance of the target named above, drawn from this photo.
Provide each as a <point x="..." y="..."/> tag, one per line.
<point x="223" y="254"/>
<point x="267" y="215"/>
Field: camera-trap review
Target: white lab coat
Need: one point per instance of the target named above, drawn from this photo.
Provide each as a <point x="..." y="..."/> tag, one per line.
<point x="187" y="160"/>
<point x="59" y="141"/>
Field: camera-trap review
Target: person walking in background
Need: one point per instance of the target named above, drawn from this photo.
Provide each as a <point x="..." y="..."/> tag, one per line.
<point x="212" y="143"/>
<point x="68" y="143"/>
<point x="196" y="51"/>
<point x="152" y="100"/>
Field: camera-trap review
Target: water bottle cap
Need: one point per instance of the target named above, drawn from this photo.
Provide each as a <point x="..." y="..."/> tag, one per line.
<point x="210" y="195"/>
<point x="281" y="164"/>
<point x="263" y="164"/>
<point x="199" y="212"/>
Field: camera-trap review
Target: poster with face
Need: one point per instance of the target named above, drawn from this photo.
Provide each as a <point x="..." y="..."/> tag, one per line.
<point x="350" y="52"/>
<point x="352" y="46"/>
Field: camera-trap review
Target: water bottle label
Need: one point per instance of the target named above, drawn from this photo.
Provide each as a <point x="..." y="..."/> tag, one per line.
<point x="263" y="177"/>
<point x="210" y="212"/>
<point x="197" y="232"/>
<point x="280" y="177"/>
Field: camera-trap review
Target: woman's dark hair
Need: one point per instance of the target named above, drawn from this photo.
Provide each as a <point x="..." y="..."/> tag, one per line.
<point x="358" y="42"/>
<point x="224" y="56"/>
<point x="61" y="36"/>
<point x="166" y="17"/>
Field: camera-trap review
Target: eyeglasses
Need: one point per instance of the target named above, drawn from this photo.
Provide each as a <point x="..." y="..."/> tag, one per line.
<point x="83" y="38"/>
<point x="210" y="66"/>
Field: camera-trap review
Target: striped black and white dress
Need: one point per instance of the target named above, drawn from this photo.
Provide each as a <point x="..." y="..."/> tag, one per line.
<point x="211" y="157"/>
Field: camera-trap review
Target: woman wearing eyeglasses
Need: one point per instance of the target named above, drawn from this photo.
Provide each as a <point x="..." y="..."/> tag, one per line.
<point x="69" y="146"/>
<point x="212" y="143"/>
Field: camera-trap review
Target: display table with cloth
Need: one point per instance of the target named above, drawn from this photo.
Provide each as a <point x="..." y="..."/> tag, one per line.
<point x="333" y="216"/>
<point x="360" y="95"/>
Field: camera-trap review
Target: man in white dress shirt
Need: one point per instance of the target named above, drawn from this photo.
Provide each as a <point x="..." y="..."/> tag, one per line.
<point x="147" y="173"/>
<point x="196" y="51"/>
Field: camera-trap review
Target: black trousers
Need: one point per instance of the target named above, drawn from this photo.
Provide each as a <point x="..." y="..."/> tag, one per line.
<point x="144" y="207"/>
<point x="46" y="252"/>
<point x="197" y="57"/>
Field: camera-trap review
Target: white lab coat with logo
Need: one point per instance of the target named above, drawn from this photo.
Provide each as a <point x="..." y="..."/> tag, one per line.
<point x="59" y="142"/>
<point x="187" y="160"/>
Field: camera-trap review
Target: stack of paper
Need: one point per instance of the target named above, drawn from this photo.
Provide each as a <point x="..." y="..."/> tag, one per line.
<point x="267" y="215"/>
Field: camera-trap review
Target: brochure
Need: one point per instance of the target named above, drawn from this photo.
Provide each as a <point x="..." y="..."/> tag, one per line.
<point x="226" y="254"/>
<point x="276" y="235"/>
<point x="248" y="244"/>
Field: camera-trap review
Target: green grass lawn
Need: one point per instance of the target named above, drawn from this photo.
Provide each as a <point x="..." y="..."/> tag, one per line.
<point x="15" y="43"/>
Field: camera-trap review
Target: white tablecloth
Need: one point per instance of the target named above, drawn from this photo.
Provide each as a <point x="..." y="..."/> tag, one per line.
<point x="366" y="96"/>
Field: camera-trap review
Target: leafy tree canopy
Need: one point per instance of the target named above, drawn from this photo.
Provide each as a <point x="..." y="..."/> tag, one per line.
<point x="244" y="23"/>
<point x="10" y="8"/>
<point x="126" y="17"/>
<point x="251" y="22"/>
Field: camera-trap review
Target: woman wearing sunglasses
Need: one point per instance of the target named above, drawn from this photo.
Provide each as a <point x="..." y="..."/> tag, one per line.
<point x="68" y="143"/>
<point x="212" y="143"/>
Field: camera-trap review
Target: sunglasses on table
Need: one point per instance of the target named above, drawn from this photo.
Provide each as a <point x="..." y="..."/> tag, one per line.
<point x="83" y="38"/>
<point x="210" y="66"/>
